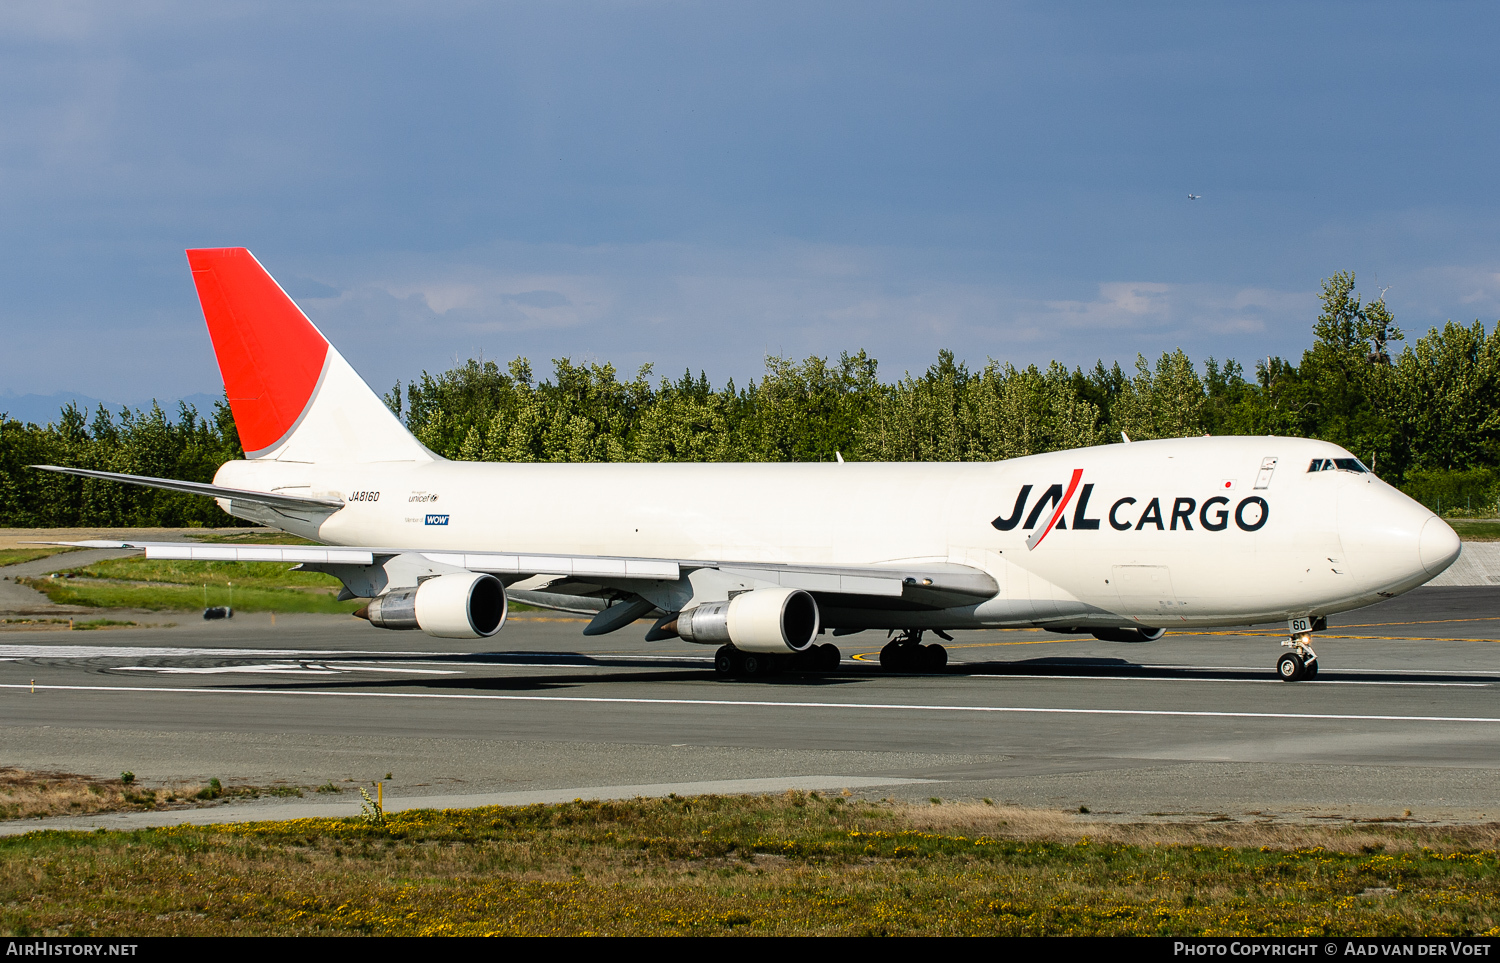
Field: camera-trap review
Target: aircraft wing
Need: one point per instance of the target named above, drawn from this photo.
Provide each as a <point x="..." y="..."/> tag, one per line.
<point x="586" y="579"/>
<point x="931" y="584"/>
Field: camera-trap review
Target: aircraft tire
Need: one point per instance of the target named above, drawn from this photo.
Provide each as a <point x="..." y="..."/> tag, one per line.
<point x="829" y="657"/>
<point x="911" y="657"/>
<point x="1290" y="668"/>
<point x="724" y="661"/>
<point x="1310" y="670"/>
<point x="753" y="664"/>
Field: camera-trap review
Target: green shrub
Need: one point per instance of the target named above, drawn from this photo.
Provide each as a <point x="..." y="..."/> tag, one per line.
<point x="1470" y="493"/>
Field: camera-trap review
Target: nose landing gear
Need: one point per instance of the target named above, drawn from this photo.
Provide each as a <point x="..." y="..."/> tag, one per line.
<point x="1302" y="662"/>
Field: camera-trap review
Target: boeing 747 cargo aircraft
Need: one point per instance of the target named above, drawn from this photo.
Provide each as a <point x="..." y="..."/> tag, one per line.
<point x="766" y="561"/>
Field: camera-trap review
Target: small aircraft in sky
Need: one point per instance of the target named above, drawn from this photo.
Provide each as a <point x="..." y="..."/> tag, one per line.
<point x="1123" y="542"/>
<point x="1194" y="197"/>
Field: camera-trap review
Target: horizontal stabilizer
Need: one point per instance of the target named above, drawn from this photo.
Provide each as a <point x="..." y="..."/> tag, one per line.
<point x="273" y="499"/>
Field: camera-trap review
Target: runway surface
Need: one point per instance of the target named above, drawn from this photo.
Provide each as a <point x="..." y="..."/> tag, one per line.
<point x="1405" y="715"/>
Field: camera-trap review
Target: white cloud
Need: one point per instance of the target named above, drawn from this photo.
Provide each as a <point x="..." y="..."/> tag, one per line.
<point x="1475" y="286"/>
<point x="1121" y="304"/>
<point x="1191" y="316"/>
<point x="478" y="298"/>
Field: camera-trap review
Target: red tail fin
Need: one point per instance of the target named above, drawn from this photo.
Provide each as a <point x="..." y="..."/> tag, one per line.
<point x="269" y="353"/>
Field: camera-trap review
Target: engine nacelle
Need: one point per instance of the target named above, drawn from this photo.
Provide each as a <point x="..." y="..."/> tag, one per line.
<point x="1128" y="635"/>
<point x="461" y="605"/>
<point x="767" y="620"/>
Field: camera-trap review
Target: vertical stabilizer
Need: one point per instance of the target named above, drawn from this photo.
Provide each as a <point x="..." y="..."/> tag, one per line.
<point x="294" y="397"/>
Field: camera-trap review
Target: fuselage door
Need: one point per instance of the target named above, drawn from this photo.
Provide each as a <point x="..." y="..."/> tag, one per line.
<point x="1144" y="589"/>
<point x="1263" y="478"/>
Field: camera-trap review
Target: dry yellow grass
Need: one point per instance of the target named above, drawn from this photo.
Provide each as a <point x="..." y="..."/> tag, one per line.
<point x="31" y="795"/>
<point x="1397" y="834"/>
<point x="793" y="864"/>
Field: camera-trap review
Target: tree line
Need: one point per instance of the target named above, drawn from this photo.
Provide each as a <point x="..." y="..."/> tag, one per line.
<point x="1426" y="418"/>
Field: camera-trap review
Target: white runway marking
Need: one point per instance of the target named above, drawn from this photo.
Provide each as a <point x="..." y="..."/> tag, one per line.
<point x="1269" y="680"/>
<point x="1344" y="667"/>
<point x="753" y="703"/>
<point x="279" y="669"/>
<point x="13" y="652"/>
<point x="399" y="669"/>
<point x="231" y="670"/>
<point x="531" y="665"/>
<point x="156" y="652"/>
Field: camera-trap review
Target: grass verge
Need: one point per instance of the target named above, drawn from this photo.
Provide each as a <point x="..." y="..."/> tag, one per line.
<point x="1476" y="530"/>
<point x="251" y="536"/>
<point x="76" y="625"/>
<point x="793" y="864"/>
<point x="154" y="585"/>
<point x="15" y="556"/>
<point x="216" y="575"/>
<point x="157" y="598"/>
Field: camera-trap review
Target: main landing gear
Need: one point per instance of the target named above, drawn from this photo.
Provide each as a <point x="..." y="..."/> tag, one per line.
<point x="730" y="662"/>
<point x="906" y="653"/>
<point x="1301" y="663"/>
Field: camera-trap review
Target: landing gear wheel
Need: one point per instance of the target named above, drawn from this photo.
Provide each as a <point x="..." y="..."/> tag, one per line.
<point x="753" y="664"/>
<point x="902" y="656"/>
<point x="724" y="660"/>
<point x="828" y="657"/>
<point x="906" y="654"/>
<point x="1302" y="662"/>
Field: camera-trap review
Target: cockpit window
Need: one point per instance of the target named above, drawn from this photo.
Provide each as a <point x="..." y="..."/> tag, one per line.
<point x="1337" y="464"/>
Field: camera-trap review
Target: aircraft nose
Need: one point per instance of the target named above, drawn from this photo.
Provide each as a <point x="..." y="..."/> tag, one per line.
<point x="1392" y="542"/>
<point x="1439" y="546"/>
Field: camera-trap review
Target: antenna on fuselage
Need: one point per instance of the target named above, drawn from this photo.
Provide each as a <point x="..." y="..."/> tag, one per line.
<point x="1125" y="438"/>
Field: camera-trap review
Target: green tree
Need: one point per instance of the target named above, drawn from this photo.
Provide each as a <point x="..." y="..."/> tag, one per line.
<point x="1165" y="403"/>
<point x="1347" y="377"/>
<point x="1447" y="391"/>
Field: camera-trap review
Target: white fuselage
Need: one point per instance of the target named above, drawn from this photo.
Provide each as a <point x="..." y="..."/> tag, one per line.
<point x="1186" y="532"/>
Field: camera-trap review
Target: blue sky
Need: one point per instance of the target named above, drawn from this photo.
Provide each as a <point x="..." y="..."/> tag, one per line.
<point x="706" y="183"/>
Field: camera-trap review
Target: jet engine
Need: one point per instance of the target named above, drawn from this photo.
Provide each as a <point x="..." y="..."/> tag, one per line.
<point x="461" y="605"/>
<point x="767" y="620"/>
<point x="1128" y="635"/>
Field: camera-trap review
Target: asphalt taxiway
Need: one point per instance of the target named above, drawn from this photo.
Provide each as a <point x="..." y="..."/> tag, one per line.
<point x="1404" y="716"/>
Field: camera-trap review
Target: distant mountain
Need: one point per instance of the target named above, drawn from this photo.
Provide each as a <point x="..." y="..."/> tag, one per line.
<point x="47" y="409"/>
